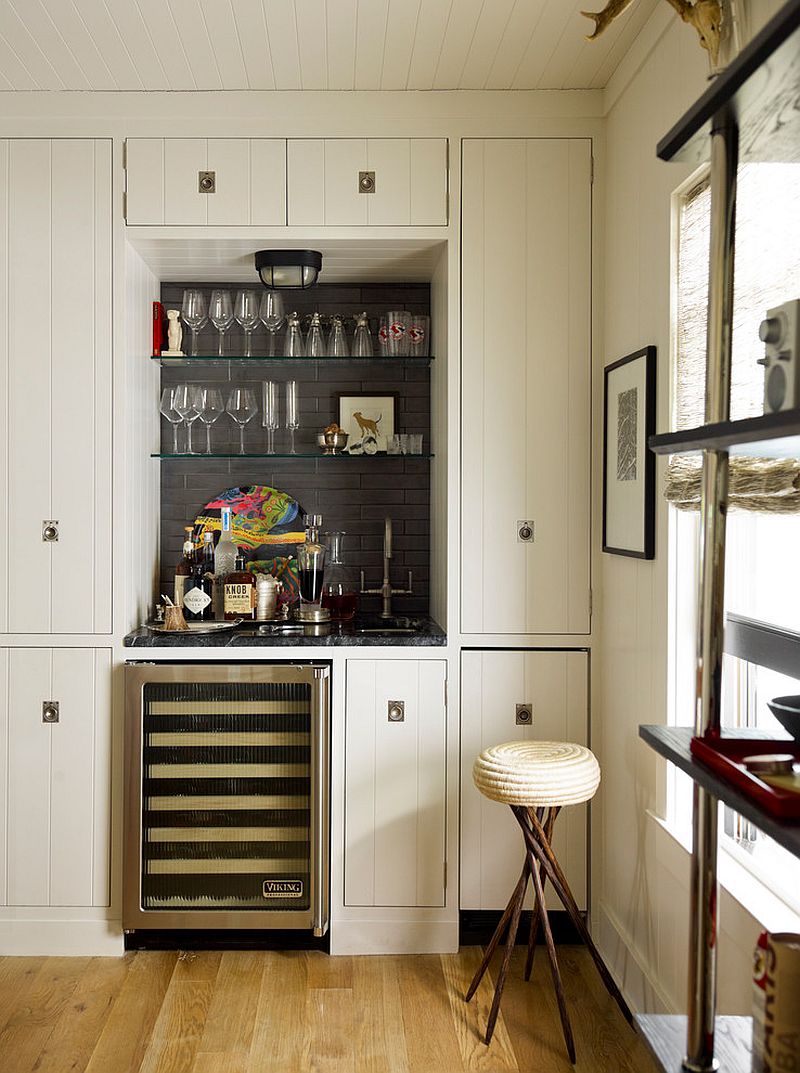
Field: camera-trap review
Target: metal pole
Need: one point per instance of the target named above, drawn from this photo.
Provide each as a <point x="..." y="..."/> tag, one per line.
<point x="714" y="505"/>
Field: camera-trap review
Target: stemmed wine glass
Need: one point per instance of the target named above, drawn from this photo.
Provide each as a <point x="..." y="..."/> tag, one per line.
<point x="241" y="406"/>
<point x="210" y="408"/>
<point x="269" y="412"/>
<point x="292" y="410"/>
<point x="185" y="402"/>
<point x="193" y="311"/>
<point x="220" y="312"/>
<point x="272" y="315"/>
<point x="167" y="409"/>
<point x="246" y="313"/>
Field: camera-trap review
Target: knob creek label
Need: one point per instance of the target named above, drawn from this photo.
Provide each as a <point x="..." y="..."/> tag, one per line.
<point x="282" y="888"/>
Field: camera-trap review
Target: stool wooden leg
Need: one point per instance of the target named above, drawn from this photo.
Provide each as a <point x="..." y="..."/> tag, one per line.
<point x="551" y="953"/>
<point x="511" y="938"/>
<point x="540" y="847"/>
<point x="522" y="882"/>
<point x="534" y="932"/>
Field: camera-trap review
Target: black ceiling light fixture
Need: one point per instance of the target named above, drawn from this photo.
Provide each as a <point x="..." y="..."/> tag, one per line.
<point x="281" y="269"/>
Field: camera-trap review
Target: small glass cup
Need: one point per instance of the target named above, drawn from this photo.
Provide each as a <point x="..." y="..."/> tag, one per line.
<point x="415" y="443"/>
<point x="383" y="337"/>
<point x="403" y="438"/>
<point x="393" y="445"/>
<point x="419" y="336"/>
<point x="397" y="342"/>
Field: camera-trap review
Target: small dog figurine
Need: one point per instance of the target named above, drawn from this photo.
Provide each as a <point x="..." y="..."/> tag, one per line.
<point x="366" y="425"/>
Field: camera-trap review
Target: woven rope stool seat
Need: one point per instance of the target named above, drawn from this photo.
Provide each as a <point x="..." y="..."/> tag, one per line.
<point x="536" y="779"/>
<point x="535" y="773"/>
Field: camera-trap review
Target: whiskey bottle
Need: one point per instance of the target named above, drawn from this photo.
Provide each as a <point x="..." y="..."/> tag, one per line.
<point x="183" y="570"/>
<point x="198" y="604"/>
<point x="240" y="592"/>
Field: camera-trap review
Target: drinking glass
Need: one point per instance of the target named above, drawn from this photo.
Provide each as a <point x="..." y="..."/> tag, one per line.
<point x="272" y="316"/>
<point x="270" y="417"/>
<point x="294" y="346"/>
<point x="220" y="312"/>
<point x="246" y="313"/>
<point x="292" y="410"/>
<point x="193" y="312"/>
<point x="397" y="340"/>
<point x="393" y="445"/>
<point x="419" y="335"/>
<point x="383" y="336"/>
<point x="415" y="443"/>
<point x="167" y="409"/>
<point x="362" y="341"/>
<point x="185" y="402"/>
<point x="315" y="343"/>
<point x="337" y="340"/>
<point x="241" y="406"/>
<point x="210" y="408"/>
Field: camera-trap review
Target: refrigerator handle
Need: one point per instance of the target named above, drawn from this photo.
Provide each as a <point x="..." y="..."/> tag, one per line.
<point x="321" y="800"/>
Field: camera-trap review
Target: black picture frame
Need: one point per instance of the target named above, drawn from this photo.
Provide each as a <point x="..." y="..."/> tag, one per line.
<point x="637" y="370"/>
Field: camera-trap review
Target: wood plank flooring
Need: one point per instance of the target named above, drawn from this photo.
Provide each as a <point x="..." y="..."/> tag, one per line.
<point x="301" y="1012"/>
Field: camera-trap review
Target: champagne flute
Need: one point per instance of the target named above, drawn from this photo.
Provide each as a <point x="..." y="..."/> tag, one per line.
<point x="167" y="409"/>
<point x="246" y="313"/>
<point x="210" y="408"/>
<point x="272" y="316"/>
<point x="292" y="410"/>
<point x="220" y="312"/>
<point x="269" y="409"/>
<point x="193" y="312"/>
<point x="184" y="400"/>
<point x="241" y="406"/>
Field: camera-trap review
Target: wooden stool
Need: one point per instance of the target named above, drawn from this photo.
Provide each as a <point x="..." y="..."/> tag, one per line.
<point x="536" y="779"/>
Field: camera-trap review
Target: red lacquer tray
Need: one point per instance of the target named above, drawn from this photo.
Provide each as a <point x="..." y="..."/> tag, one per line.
<point x="725" y="755"/>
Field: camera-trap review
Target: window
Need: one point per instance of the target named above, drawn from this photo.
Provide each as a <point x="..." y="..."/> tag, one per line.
<point x="762" y="581"/>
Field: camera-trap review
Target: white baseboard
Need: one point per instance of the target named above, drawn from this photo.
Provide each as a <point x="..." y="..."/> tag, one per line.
<point x="61" y="938"/>
<point x="631" y="973"/>
<point x="394" y="937"/>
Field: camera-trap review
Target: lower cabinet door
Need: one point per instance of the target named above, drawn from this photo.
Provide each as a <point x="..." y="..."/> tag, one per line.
<point x="55" y="757"/>
<point x="395" y="783"/>
<point x="554" y="686"/>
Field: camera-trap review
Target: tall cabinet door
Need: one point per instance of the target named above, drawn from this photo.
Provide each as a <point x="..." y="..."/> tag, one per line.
<point x="554" y="684"/>
<point x="55" y="385"/>
<point x="526" y="361"/>
<point x="55" y="783"/>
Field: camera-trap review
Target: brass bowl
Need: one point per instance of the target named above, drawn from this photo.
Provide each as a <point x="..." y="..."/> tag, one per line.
<point x="332" y="442"/>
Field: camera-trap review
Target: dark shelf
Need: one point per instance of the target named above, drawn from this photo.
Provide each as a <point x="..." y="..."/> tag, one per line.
<point x="759" y="91"/>
<point x="767" y="436"/>
<point x="673" y="743"/>
<point x="665" y="1036"/>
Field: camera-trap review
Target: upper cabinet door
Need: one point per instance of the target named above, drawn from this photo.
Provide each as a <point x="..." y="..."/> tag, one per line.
<point x="200" y="181"/>
<point x="526" y="408"/>
<point x="55" y="385"/>
<point x="410" y="181"/>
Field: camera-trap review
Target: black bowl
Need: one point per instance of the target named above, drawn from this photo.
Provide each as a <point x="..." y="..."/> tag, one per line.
<point x="787" y="711"/>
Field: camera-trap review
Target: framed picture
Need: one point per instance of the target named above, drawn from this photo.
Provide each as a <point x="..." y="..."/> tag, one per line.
<point x="368" y="419"/>
<point x="629" y="466"/>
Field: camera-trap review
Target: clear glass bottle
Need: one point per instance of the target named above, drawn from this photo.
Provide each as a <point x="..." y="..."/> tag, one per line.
<point x="226" y="551"/>
<point x="339" y="591"/>
<point x="198" y="600"/>
<point x="311" y="563"/>
<point x="183" y="570"/>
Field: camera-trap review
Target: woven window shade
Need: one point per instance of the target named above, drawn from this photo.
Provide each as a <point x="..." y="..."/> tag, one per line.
<point x="767" y="273"/>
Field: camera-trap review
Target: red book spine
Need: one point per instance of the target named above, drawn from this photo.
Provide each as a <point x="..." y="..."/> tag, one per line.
<point x="158" y="328"/>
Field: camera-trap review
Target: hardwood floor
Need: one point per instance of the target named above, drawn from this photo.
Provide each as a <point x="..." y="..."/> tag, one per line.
<point x="298" y="1012"/>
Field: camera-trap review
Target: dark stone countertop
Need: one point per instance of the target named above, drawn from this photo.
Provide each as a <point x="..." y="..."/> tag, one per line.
<point x="366" y="631"/>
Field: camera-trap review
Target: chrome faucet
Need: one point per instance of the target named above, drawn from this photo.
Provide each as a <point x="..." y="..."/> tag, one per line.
<point x="386" y="592"/>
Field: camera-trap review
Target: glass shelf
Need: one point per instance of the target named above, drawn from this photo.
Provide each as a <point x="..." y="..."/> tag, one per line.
<point x="264" y="359"/>
<point x="304" y="455"/>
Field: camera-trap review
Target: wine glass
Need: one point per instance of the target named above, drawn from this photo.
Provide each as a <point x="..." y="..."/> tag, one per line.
<point x="193" y="311"/>
<point x="210" y="408"/>
<point x="272" y="316"/>
<point x="270" y="415"/>
<point x="292" y="410"/>
<point x="167" y="409"/>
<point x="220" y="312"/>
<point x="184" y="400"/>
<point x="246" y="313"/>
<point x="241" y="406"/>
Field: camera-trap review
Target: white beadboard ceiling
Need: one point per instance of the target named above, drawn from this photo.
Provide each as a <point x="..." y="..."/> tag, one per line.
<point x="308" y="44"/>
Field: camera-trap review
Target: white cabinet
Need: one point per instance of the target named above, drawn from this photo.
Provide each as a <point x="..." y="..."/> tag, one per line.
<point x="493" y="683"/>
<point x="395" y="783"/>
<point x="410" y="181"/>
<point x="165" y="176"/>
<point x="55" y="385"/>
<point x="526" y="360"/>
<point x="55" y="794"/>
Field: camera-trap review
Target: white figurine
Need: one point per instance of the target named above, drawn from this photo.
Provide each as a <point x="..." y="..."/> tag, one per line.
<point x="174" y="335"/>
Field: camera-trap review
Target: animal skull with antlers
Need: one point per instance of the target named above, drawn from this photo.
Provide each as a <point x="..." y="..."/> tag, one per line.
<point x="704" y="15"/>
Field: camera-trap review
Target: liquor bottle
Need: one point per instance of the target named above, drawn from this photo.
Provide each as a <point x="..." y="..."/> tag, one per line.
<point x="226" y="551"/>
<point x="198" y="603"/>
<point x="206" y="555"/>
<point x="184" y="568"/>
<point x="239" y="600"/>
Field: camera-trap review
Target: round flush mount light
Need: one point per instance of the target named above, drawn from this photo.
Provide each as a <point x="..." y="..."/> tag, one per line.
<point x="280" y="269"/>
